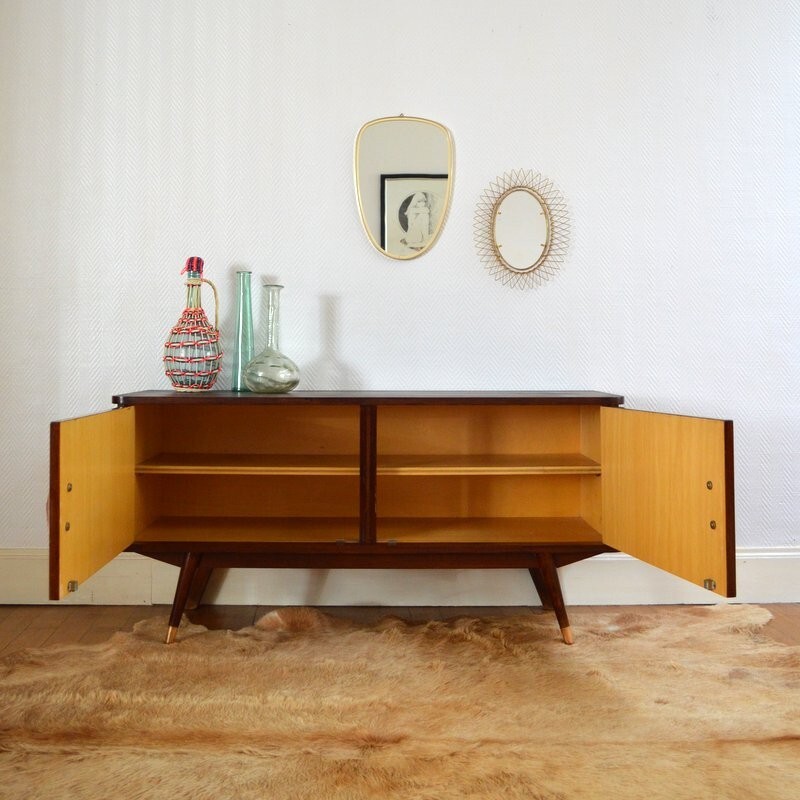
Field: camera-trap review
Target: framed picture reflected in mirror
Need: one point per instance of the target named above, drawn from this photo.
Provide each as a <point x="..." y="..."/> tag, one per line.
<point x="412" y="206"/>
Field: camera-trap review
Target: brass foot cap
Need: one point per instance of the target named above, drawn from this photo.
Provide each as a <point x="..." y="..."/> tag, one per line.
<point x="172" y="634"/>
<point x="567" y="634"/>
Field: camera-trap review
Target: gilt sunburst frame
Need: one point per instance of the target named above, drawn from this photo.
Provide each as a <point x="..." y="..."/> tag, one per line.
<point x="557" y="214"/>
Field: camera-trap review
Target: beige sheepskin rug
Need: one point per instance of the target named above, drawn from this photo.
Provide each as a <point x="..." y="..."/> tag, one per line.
<point x="670" y="702"/>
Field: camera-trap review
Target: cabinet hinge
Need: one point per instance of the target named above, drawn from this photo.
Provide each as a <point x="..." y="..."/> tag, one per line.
<point x="72" y="586"/>
<point x="710" y="584"/>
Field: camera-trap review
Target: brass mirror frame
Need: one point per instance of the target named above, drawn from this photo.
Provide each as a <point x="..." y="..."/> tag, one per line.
<point x="558" y="227"/>
<point x="446" y="205"/>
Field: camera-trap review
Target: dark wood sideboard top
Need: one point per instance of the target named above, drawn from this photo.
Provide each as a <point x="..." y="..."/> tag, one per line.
<point x="372" y="398"/>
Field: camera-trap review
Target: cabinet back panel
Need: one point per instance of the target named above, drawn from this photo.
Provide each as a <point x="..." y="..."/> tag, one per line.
<point x="251" y="496"/>
<point x="479" y="496"/>
<point x="476" y="430"/>
<point x="591" y="496"/>
<point x="148" y="432"/>
<point x="314" y="429"/>
<point x="590" y="432"/>
<point x="147" y="444"/>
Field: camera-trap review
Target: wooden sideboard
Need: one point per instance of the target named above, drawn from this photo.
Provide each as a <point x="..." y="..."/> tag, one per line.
<point x="535" y="480"/>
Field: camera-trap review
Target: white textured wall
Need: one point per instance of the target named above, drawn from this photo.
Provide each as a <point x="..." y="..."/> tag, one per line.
<point x="135" y="134"/>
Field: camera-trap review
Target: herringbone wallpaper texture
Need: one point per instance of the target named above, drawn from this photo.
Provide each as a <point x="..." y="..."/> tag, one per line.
<point x="135" y="134"/>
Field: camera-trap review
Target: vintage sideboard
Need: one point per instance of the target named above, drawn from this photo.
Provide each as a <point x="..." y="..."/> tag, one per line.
<point x="533" y="480"/>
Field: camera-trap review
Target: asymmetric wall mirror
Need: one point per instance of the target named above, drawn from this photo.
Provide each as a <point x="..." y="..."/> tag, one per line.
<point x="404" y="181"/>
<point x="521" y="228"/>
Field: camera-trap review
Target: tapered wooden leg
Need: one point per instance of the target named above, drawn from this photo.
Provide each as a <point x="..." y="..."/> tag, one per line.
<point x="201" y="578"/>
<point x="541" y="588"/>
<point x="549" y="575"/>
<point x="188" y="570"/>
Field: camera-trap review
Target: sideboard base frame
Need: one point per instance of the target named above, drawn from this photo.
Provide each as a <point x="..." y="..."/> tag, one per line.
<point x="197" y="565"/>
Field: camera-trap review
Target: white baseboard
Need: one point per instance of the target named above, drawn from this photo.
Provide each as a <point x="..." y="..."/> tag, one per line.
<point x="764" y="575"/>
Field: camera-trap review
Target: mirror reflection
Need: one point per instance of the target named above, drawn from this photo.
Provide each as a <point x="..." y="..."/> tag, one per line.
<point x="521" y="229"/>
<point x="404" y="177"/>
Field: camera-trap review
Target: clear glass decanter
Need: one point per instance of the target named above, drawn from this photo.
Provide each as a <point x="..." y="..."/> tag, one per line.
<point x="271" y="371"/>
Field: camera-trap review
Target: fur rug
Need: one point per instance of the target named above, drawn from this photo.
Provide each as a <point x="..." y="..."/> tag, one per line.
<point x="671" y="702"/>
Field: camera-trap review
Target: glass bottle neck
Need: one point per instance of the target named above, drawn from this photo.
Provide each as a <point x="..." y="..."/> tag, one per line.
<point x="272" y="297"/>
<point x="244" y="309"/>
<point x="193" y="297"/>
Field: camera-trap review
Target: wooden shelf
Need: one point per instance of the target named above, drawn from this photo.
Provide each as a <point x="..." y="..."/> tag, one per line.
<point x="476" y="530"/>
<point x="281" y="464"/>
<point x="497" y="530"/>
<point x="251" y="529"/>
<point x="494" y="464"/>
<point x="248" y="464"/>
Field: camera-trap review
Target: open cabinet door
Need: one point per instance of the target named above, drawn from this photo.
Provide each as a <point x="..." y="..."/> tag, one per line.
<point x="667" y="487"/>
<point x="92" y="495"/>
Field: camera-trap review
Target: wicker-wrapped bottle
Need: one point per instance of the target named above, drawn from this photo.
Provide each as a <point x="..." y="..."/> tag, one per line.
<point x="192" y="353"/>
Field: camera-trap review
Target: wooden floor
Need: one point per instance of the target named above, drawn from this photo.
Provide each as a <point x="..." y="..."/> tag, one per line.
<point x="37" y="626"/>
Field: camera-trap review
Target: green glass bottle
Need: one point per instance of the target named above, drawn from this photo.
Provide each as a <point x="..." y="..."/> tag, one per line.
<point x="243" y="343"/>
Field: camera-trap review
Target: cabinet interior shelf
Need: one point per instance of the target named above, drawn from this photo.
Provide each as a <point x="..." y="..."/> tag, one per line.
<point x="468" y="530"/>
<point x="250" y="529"/>
<point x="474" y="530"/>
<point x="495" y="464"/>
<point x="248" y="464"/>
<point x="282" y="464"/>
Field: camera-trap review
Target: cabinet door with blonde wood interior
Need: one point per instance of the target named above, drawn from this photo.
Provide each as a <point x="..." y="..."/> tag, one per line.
<point x="667" y="493"/>
<point x="92" y="495"/>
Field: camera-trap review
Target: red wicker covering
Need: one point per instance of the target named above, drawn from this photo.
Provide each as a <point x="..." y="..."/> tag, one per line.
<point x="192" y="353"/>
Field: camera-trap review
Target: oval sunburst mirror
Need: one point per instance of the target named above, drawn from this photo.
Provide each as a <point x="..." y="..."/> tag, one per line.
<point x="521" y="228"/>
<point x="404" y="178"/>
